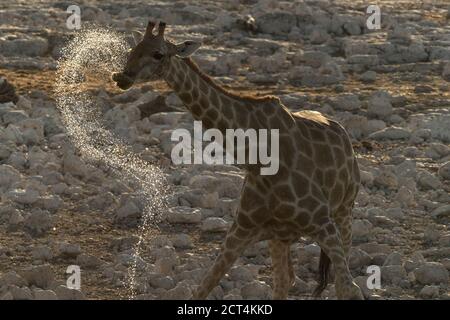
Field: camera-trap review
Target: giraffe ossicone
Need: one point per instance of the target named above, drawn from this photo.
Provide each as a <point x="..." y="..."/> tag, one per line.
<point x="313" y="192"/>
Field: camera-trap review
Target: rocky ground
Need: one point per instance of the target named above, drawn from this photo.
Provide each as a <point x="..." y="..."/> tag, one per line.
<point x="389" y="88"/>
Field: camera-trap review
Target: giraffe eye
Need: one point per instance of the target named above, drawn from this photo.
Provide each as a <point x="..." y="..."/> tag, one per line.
<point x="158" y="55"/>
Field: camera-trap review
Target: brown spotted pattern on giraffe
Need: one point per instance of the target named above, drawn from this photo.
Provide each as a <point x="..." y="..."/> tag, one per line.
<point x="339" y="157"/>
<point x="284" y="212"/>
<point x="301" y="184"/>
<point x="305" y="165"/>
<point x="260" y="216"/>
<point x="330" y="178"/>
<point x="284" y="193"/>
<point x="214" y="98"/>
<point x="212" y="114"/>
<point x="323" y="156"/>
<point x="321" y="216"/>
<point x="241" y="232"/>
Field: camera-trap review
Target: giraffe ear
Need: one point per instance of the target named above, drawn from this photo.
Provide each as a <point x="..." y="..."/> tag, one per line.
<point x="137" y="36"/>
<point x="187" y="48"/>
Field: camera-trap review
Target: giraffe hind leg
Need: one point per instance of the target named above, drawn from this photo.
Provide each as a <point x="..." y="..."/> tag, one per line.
<point x="329" y="239"/>
<point x="343" y="220"/>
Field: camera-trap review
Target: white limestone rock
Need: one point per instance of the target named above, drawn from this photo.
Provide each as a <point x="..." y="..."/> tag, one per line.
<point x="391" y="133"/>
<point x="23" y="45"/>
<point x="380" y="105"/>
<point x="347" y="102"/>
<point x="214" y="224"/>
<point x="23" y="196"/>
<point x="65" y="293"/>
<point x="444" y="171"/>
<point x="8" y="177"/>
<point x="41" y="276"/>
<point x="256" y="290"/>
<point x="361" y="228"/>
<point x="68" y="250"/>
<point x="38" y="223"/>
<point x="429" y="292"/>
<point x="432" y="273"/>
<point x="40" y="294"/>
<point x="184" y="215"/>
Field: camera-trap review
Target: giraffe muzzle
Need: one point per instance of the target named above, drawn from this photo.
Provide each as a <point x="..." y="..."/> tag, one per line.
<point x="123" y="81"/>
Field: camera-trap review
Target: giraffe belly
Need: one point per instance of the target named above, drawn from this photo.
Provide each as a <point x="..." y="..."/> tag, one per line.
<point x="300" y="224"/>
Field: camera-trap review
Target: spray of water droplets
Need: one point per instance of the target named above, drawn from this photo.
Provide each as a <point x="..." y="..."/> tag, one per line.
<point x="95" y="53"/>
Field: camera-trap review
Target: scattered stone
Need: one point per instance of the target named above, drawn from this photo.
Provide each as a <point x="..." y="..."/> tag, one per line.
<point x="43" y="253"/>
<point x="428" y="181"/>
<point x="393" y="274"/>
<point x="73" y="165"/>
<point x="40" y="294"/>
<point x="41" y="276"/>
<point x="391" y="133"/>
<point x="431" y="234"/>
<point x="182" y="241"/>
<point x="429" y="292"/>
<point x="446" y="71"/>
<point x="28" y="196"/>
<point x="38" y="223"/>
<point x="440" y="212"/>
<point x="278" y="23"/>
<point x="21" y="293"/>
<point x="394" y="259"/>
<point x="69" y="250"/>
<point x="256" y="290"/>
<point x="23" y="45"/>
<point x="432" y="273"/>
<point x="88" y="261"/>
<point x="359" y="258"/>
<point x="180" y="292"/>
<point x="161" y="281"/>
<point x="12" y="278"/>
<point x="128" y="213"/>
<point x="65" y="293"/>
<point x="347" y="102"/>
<point x="444" y="171"/>
<point x="8" y="176"/>
<point x="214" y="224"/>
<point x="368" y="76"/>
<point x="361" y="228"/>
<point x="184" y="215"/>
<point x="380" y="105"/>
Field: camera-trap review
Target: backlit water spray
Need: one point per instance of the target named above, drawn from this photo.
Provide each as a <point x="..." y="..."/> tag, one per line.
<point x="95" y="53"/>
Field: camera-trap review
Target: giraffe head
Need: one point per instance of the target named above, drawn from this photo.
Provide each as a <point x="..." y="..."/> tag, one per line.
<point x="148" y="59"/>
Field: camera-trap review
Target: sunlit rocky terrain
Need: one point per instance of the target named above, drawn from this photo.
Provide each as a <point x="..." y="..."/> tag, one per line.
<point x="389" y="87"/>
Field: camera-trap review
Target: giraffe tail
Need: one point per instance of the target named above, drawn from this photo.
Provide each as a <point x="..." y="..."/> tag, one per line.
<point x="324" y="274"/>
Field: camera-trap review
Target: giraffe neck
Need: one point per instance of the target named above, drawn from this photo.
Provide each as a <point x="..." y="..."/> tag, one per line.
<point x="205" y="99"/>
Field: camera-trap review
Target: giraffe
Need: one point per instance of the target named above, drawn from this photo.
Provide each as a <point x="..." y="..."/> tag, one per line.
<point x="313" y="192"/>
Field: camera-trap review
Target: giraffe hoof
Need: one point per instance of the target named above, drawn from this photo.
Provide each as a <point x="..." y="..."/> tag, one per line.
<point x="355" y="293"/>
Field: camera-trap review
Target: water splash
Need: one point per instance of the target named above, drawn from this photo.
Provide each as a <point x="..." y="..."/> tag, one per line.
<point x="95" y="53"/>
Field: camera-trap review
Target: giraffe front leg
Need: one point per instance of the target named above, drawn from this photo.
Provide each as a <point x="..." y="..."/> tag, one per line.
<point x="231" y="250"/>
<point x="329" y="239"/>
<point x="283" y="271"/>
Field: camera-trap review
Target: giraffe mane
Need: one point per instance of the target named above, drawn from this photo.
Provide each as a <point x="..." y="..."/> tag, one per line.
<point x="311" y="115"/>
<point x="251" y="98"/>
